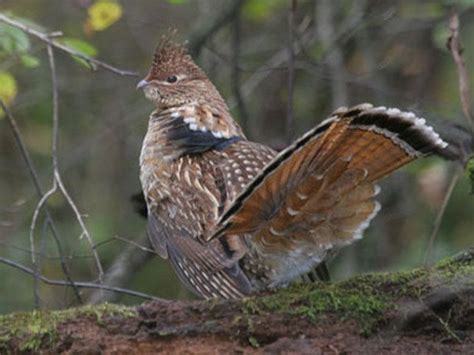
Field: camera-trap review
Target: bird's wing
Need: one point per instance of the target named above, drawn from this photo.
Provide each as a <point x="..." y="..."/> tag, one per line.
<point x="176" y="222"/>
<point x="205" y="268"/>
<point x="321" y="189"/>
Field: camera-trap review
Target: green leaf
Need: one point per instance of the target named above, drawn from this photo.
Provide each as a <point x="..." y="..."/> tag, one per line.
<point x="30" y="61"/>
<point x="177" y="2"/>
<point x="13" y="40"/>
<point x="8" y="89"/>
<point x="80" y="45"/>
<point x="83" y="47"/>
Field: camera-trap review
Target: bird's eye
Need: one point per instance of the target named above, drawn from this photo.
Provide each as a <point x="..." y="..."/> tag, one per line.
<point x="172" y="79"/>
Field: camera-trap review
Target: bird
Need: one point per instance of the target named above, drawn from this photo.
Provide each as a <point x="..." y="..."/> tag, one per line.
<point x="236" y="218"/>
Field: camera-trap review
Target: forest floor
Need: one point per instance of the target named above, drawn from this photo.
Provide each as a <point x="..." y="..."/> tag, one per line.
<point x="422" y="311"/>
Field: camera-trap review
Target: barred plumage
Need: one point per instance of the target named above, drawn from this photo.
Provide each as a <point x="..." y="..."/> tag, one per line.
<point x="233" y="216"/>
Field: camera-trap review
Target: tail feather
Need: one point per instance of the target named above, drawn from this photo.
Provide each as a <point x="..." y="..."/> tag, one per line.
<point x="321" y="189"/>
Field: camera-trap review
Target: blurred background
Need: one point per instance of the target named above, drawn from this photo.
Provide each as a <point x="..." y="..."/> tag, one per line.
<point x="389" y="53"/>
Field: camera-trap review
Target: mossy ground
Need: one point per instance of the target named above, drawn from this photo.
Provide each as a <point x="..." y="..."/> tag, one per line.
<point x="365" y="299"/>
<point x="32" y="330"/>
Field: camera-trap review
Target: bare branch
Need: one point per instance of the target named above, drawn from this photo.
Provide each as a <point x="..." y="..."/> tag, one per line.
<point x="291" y="72"/>
<point x="335" y="62"/>
<point x="275" y="61"/>
<point x="79" y="283"/>
<point x="136" y="245"/>
<point x="56" y="175"/>
<point x="440" y="214"/>
<point x="85" y="232"/>
<point x="235" y="82"/>
<point x="125" y="266"/>
<point x="43" y="255"/>
<point x="36" y="265"/>
<point x="455" y="47"/>
<point x="36" y="182"/>
<point x="200" y="36"/>
<point x="46" y="37"/>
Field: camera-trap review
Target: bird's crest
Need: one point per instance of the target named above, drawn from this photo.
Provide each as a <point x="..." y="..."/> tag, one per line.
<point x="172" y="58"/>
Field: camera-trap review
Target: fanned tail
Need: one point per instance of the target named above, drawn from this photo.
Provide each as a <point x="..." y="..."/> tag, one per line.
<point x="320" y="191"/>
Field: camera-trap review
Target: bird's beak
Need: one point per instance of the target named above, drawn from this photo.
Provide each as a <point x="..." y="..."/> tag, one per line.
<point x="142" y="84"/>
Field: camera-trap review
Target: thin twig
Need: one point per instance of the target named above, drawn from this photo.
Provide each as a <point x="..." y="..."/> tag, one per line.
<point x="46" y="37"/>
<point x="79" y="283"/>
<point x="57" y="176"/>
<point x="211" y="26"/>
<point x="275" y="61"/>
<point x="40" y="204"/>
<point x="85" y="232"/>
<point x="124" y="267"/>
<point x="43" y="255"/>
<point x="291" y="72"/>
<point x="334" y="58"/>
<point x="135" y="244"/>
<point x="39" y="190"/>
<point x="455" y="47"/>
<point x="440" y="214"/>
<point x="34" y="262"/>
<point x="235" y="82"/>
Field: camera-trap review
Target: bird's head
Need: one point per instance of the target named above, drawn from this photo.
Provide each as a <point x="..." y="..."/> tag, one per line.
<point x="174" y="79"/>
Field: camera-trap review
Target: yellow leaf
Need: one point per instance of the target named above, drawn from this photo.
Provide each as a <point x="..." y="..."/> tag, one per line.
<point x="8" y="89"/>
<point x="103" y="14"/>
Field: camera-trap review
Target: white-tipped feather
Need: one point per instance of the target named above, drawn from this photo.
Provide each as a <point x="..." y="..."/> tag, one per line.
<point x="419" y="123"/>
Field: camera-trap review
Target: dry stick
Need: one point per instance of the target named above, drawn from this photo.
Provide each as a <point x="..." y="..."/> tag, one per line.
<point x="456" y="50"/>
<point x="236" y="44"/>
<point x="279" y="58"/>
<point x="57" y="177"/>
<point x="454" y="47"/>
<point x="267" y="68"/>
<point x="124" y="266"/>
<point x="43" y="255"/>
<point x="79" y="283"/>
<point x="127" y="241"/>
<point x="35" y="264"/>
<point x="200" y="37"/>
<point x="334" y="58"/>
<point x="46" y="37"/>
<point x="440" y="215"/>
<point x="291" y="73"/>
<point x="39" y="190"/>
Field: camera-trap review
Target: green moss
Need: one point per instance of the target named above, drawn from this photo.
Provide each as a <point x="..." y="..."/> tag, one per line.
<point x="363" y="298"/>
<point x="33" y="330"/>
<point x="458" y="268"/>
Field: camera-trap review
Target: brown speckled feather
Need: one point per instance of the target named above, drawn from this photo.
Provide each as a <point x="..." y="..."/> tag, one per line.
<point x="319" y="193"/>
<point x="231" y="215"/>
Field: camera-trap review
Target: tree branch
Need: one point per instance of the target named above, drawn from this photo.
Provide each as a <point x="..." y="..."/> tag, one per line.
<point x="39" y="190"/>
<point x="200" y="37"/>
<point x="291" y="72"/>
<point x="46" y="38"/>
<point x="79" y="283"/>
<point x="454" y="45"/>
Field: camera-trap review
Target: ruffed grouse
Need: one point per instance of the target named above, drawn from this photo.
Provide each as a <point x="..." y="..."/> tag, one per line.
<point x="236" y="218"/>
